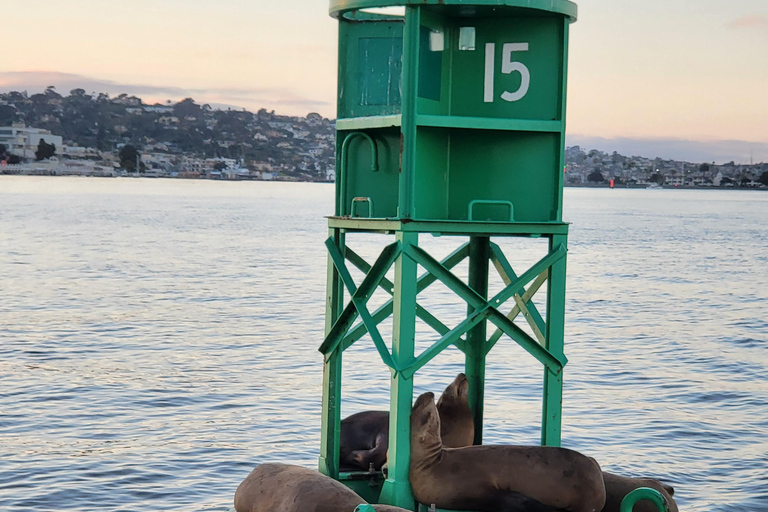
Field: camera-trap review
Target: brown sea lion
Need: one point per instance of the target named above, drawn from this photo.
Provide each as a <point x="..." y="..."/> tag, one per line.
<point x="285" y="488"/>
<point x="457" y="426"/>
<point x="617" y="487"/>
<point x="498" y="478"/>
<point x="365" y="435"/>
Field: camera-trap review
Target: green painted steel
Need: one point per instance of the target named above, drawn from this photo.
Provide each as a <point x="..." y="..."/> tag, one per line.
<point x="644" y="493"/>
<point x="558" y="6"/>
<point x="451" y="121"/>
<point x="474" y="367"/>
<point x="331" y="412"/>
<point x="397" y="488"/>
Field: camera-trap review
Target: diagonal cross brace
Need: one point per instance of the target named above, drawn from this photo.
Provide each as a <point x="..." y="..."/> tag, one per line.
<point x="385" y="283"/>
<point x="530" y="274"/>
<point x="488" y="308"/>
<point x="385" y="310"/>
<point x="447" y="339"/>
<point x="360" y="296"/>
<point x="441" y="273"/>
<point x="521" y="302"/>
<point x="507" y="275"/>
<point x="544" y="356"/>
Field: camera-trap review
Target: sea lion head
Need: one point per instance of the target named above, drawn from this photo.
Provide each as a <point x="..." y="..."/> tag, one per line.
<point x="457" y="422"/>
<point x="425" y="422"/>
<point x="456" y="393"/>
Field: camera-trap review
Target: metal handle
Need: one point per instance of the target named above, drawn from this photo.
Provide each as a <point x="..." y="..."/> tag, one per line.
<point x="343" y="157"/>
<point x="644" y="493"/>
<point x="355" y="201"/>
<point x="491" y="202"/>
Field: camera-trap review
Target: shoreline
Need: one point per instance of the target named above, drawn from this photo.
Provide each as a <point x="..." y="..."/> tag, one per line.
<point x="293" y="180"/>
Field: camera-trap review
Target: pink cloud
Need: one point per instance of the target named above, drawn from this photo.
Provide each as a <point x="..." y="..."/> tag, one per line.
<point x="751" y="21"/>
<point x="252" y="98"/>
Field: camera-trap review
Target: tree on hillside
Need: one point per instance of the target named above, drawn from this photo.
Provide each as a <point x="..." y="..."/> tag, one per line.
<point x="129" y="155"/>
<point x="596" y="177"/>
<point x="763" y="178"/>
<point x="186" y="108"/>
<point x="44" y="150"/>
<point x="7" y="115"/>
<point x="704" y="167"/>
<point x="50" y="92"/>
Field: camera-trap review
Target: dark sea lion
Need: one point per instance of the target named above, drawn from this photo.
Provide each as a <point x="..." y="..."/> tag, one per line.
<point x="364" y="440"/>
<point x="616" y="487"/>
<point x="498" y="478"/>
<point x="365" y="435"/>
<point x="285" y="488"/>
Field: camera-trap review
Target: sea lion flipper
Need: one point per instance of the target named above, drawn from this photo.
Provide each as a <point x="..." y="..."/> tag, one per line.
<point x="376" y="455"/>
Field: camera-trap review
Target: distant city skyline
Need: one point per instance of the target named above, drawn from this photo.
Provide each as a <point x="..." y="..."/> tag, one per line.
<point x="668" y="78"/>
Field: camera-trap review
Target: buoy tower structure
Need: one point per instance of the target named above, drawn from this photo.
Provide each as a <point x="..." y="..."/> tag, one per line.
<point x="451" y="122"/>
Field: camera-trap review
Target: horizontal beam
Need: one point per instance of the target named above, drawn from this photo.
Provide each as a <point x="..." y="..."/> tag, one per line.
<point x="449" y="227"/>
<point x="490" y="123"/>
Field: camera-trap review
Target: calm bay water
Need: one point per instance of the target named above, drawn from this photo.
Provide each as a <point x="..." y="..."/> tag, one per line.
<point x="159" y="338"/>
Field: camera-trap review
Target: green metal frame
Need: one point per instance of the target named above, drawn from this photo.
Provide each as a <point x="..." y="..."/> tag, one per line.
<point x="469" y="335"/>
<point x="408" y="143"/>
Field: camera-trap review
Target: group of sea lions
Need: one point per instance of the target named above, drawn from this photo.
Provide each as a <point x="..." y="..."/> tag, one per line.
<point x="365" y="435"/>
<point x="447" y="470"/>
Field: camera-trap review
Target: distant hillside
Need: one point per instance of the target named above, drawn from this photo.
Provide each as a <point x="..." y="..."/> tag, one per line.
<point x="294" y="147"/>
<point x="104" y="123"/>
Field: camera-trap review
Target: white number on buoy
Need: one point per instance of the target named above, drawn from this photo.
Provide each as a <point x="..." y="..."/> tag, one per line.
<point x="508" y="65"/>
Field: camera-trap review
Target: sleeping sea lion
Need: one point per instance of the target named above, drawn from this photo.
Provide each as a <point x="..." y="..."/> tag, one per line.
<point x="285" y="488"/>
<point x="364" y="440"/>
<point x="498" y="478"/>
<point x="365" y="435"/>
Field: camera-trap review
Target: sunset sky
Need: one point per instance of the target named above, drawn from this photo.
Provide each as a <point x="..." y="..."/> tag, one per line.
<point x="681" y="77"/>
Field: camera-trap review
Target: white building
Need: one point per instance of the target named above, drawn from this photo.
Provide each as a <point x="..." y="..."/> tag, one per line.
<point x="22" y="141"/>
<point x="674" y="181"/>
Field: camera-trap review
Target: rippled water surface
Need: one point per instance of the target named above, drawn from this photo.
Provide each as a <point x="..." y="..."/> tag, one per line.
<point x="159" y="338"/>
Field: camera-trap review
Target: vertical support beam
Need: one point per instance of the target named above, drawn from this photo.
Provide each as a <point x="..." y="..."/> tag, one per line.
<point x="397" y="488"/>
<point x="555" y="333"/>
<point x="562" y="101"/>
<point x="411" y="31"/>
<point x="479" y="253"/>
<point x="328" y="463"/>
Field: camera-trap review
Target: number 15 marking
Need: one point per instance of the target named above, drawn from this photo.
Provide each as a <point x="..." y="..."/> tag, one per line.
<point x="507" y="67"/>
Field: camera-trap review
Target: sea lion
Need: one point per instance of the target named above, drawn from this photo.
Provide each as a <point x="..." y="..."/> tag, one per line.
<point x="364" y="440"/>
<point x="498" y="478"/>
<point x="457" y="426"/>
<point x="617" y="487"/>
<point x="365" y="435"/>
<point x="285" y="488"/>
